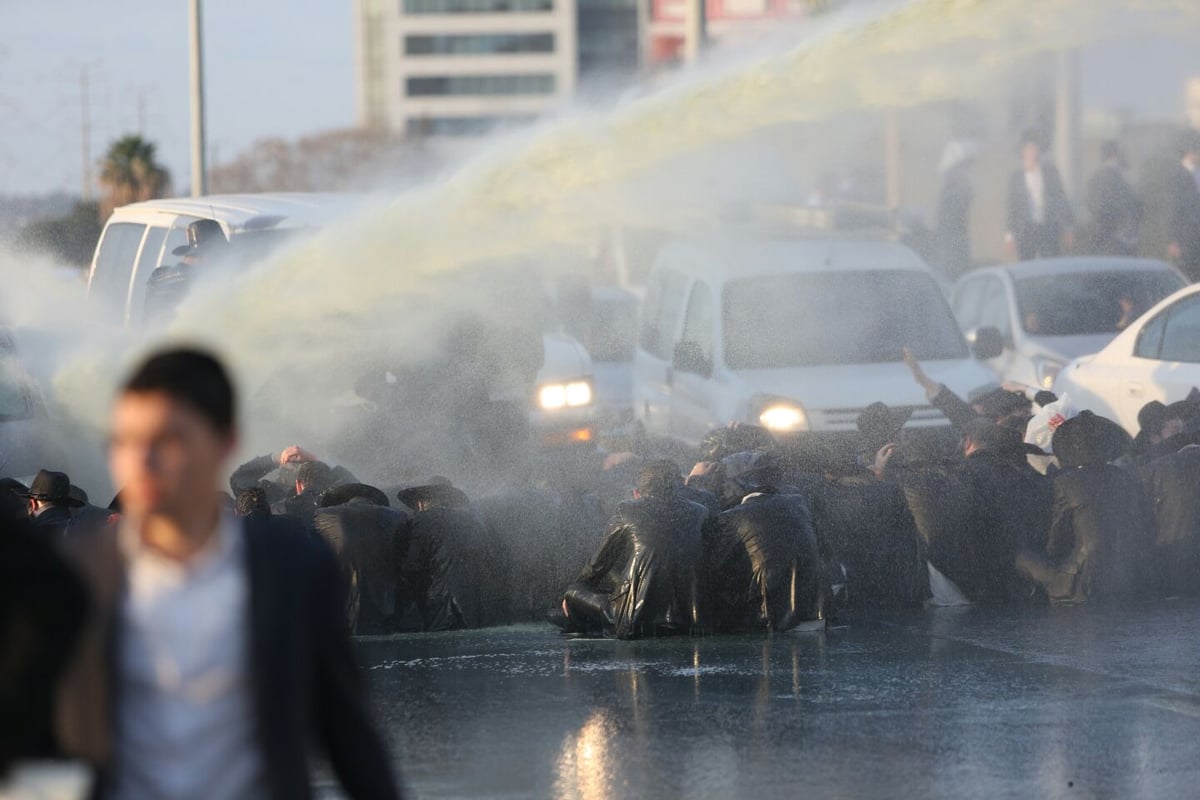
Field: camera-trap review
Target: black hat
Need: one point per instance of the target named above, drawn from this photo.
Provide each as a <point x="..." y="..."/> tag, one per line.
<point x="437" y="495"/>
<point x="879" y="425"/>
<point x="340" y="495"/>
<point x="1089" y="440"/>
<point x="204" y="236"/>
<point x="52" y="487"/>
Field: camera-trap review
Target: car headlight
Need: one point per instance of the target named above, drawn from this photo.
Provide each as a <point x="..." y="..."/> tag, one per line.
<point x="1047" y="371"/>
<point x="552" y="396"/>
<point x="783" y="418"/>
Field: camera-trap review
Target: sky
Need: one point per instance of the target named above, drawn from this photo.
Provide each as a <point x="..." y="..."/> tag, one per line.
<point x="285" y="68"/>
<point x="272" y="68"/>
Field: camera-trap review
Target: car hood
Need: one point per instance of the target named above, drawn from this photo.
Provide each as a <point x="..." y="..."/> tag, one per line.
<point x="1068" y="348"/>
<point x="836" y="394"/>
<point x="565" y="359"/>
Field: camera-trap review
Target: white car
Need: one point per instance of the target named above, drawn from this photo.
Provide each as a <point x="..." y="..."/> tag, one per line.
<point x="795" y="335"/>
<point x="1155" y="358"/>
<point x="1050" y="311"/>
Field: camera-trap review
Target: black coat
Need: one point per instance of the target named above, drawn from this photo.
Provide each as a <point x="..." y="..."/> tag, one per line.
<point x="768" y="573"/>
<point x="1115" y="213"/>
<point x="1183" y="219"/>
<point x="1034" y="240"/>
<point x="940" y="499"/>
<point x="370" y="542"/>
<point x="954" y="222"/>
<point x="55" y="522"/>
<point x="308" y="693"/>
<point x="1011" y="503"/>
<point x="648" y="577"/>
<point x="1173" y="490"/>
<point x="866" y="526"/>
<point x="1100" y="540"/>
<point x="455" y="570"/>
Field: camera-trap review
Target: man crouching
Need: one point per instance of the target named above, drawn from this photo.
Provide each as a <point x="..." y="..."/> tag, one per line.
<point x="647" y="579"/>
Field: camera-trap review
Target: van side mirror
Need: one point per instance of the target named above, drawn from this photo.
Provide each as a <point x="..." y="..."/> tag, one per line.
<point x="688" y="357"/>
<point x="986" y="343"/>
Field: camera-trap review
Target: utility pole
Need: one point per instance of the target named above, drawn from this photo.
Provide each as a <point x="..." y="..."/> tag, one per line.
<point x="85" y="133"/>
<point x="695" y="35"/>
<point x="199" y="170"/>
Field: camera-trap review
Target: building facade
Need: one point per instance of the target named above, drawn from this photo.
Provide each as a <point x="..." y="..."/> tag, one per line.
<point x="463" y="67"/>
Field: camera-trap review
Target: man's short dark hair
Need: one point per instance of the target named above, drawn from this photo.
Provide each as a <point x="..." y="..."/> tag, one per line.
<point x="252" y="501"/>
<point x="192" y="377"/>
<point x="659" y="479"/>
<point x="317" y="476"/>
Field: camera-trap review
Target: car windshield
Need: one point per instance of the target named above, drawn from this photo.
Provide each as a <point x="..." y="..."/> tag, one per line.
<point x="859" y="317"/>
<point x="1090" y="303"/>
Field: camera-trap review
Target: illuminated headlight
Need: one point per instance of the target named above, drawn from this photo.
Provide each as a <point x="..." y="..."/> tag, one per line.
<point x="564" y="395"/>
<point x="1047" y="371"/>
<point x="783" y="418"/>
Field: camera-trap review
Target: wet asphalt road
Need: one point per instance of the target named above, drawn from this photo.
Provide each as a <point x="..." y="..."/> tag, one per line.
<point x="1063" y="702"/>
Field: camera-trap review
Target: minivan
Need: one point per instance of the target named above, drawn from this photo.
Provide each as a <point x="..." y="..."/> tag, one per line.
<point x="795" y="335"/>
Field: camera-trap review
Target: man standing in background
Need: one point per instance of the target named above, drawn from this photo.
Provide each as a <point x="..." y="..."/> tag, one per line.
<point x="1183" y="208"/>
<point x="1039" y="215"/>
<point x="1116" y="212"/>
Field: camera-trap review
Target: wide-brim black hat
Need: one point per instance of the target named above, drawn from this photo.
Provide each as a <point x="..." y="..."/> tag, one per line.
<point x="1088" y="440"/>
<point x="52" y="487"/>
<point x="440" y="495"/>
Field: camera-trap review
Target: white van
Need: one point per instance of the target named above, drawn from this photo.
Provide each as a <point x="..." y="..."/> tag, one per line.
<point x="794" y="335"/>
<point x="140" y="237"/>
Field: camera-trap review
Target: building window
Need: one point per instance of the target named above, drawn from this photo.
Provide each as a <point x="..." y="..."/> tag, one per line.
<point x="461" y="126"/>
<point x="478" y="44"/>
<point x="476" y="6"/>
<point x="480" y="85"/>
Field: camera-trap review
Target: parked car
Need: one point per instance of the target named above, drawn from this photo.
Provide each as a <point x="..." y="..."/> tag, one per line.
<point x="1155" y="358"/>
<point x="1050" y="311"/>
<point x="795" y="335"/>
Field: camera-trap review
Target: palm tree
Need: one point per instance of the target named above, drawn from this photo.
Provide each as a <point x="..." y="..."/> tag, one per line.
<point x="130" y="173"/>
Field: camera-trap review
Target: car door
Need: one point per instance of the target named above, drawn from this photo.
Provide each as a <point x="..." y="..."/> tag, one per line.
<point x="656" y="338"/>
<point x="1166" y="360"/>
<point x="691" y="381"/>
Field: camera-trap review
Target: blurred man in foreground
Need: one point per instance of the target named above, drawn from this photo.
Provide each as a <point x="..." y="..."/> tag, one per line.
<point x="216" y="653"/>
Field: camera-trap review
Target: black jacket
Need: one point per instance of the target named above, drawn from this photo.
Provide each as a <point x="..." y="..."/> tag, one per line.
<point x="1100" y="537"/>
<point x="866" y="526"/>
<point x="1183" y="219"/>
<point x="1011" y="504"/>
<point x="1173" y="490"/>
<point x="308" y="691"/>
<point x="1115" y="212"/>
<point x="453" y="571"/>
<point x="768" y="573"/>
<point x="55" y="521"/>
<point x="370" y="542"/>
<point x="1034" y="240"/>
<point x="648" y="577"/>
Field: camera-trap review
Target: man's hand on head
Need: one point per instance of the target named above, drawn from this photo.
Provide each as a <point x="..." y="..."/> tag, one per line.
<point x="295" y="455"/>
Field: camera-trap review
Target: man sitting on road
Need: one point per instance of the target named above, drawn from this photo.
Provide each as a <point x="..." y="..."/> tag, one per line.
<point x="647" y="578"/>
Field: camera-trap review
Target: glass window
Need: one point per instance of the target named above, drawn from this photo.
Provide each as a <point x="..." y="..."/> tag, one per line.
<point x="660" y="313"/>
<point x="993" y="307"/>
<point x="479" y="44"/>
<point x="114" y="263"/>
<point x="966" y="303"/>
<point x="486" y="85"/>
<point x="477" y="6"/>
<point x="836" y="318"/>
<point x="146" y="264"/>
<point x="1181" y="339"/>
<point x="1149" y="343"/>
<point x="462" y="126"/>
<point x="698" y="324"/>
<point x="1090" y="303"/>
